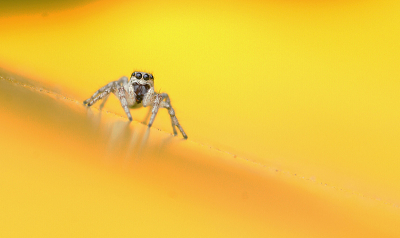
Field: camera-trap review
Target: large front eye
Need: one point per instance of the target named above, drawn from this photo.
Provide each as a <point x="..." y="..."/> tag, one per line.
<point x="146" y="77"/>
<point x="138" y="75"/>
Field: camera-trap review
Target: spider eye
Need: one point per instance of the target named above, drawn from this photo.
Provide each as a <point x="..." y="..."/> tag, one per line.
<point x="133" y="74"/>
<point x="146" y="77"/>
<point x="151" y="76"/>
<point x="138" y="75"/>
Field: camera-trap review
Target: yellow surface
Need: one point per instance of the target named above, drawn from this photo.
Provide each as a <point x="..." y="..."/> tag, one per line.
<point x="303" y="96"/>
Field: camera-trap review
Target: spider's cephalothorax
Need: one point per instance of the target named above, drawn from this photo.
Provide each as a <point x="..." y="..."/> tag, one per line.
<point x="141" y="82"/>
<point x="139" y="89"/>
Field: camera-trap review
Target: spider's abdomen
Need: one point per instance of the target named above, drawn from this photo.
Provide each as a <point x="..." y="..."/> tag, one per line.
<point x="140" y="91"/>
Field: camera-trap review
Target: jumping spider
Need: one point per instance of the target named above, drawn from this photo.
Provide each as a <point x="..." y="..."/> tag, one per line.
<point x="138" y="90"/>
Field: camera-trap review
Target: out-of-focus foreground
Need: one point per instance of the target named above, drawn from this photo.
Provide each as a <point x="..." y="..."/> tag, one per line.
<point x="71" y="171"/>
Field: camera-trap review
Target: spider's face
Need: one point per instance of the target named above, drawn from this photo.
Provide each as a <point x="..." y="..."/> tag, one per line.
<point x="142" y="78"/>
<point x="141" y="82"/>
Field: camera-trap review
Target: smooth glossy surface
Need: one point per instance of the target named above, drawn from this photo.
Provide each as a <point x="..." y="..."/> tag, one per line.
<point x="319" y="123"/>
<point x="69" y="170"/>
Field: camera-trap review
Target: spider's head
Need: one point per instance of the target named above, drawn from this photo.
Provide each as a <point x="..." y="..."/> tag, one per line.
<point x="142" y="78"/>
<point x="141" y="82"/>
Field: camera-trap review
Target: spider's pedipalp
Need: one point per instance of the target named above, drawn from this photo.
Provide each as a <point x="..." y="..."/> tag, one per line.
<point x="148" y="97"/>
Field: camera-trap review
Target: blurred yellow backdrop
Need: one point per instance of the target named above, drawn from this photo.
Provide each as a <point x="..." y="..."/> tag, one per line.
<point x="310" y="87"/>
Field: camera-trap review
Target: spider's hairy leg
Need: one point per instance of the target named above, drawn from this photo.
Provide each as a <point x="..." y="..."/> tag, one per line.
<point x="121" y="93"/>
<point x="147" y="101"/>
<point x="104" y="102"/>
<point x="167" y="104"/>
<point x="156" y="105"/>
<point x="148" y="98"/>
<point x="171" y="111"/>
<point x="104" y="92"/>
<point x="99" y="94"/>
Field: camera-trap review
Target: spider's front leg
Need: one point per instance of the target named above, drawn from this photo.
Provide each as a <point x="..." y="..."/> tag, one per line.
<point x="104" y="92"/>
<point x="156" y="105"/>
<point x="171" y="111"/>
<point x="159" y="103"/>
<point x="167" y="104"/>
<point x="101" y="93"/>
<point x="121" y="93"/>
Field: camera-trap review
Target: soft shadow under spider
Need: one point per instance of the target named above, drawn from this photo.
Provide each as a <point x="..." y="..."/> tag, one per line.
<point x="146" y="119"/>
<point x="144" y="141"/>
<point x="164" y="143"/>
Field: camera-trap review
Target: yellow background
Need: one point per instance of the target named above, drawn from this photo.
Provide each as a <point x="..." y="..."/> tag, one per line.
<point x="309" y="88"/>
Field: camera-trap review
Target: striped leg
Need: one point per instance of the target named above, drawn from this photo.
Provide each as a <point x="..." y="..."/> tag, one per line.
<point x="105" y="91"/>
<point x="99" y="94"/>
<point x="156" y="105"/>
<point x="171" y="111"/>
<point x="104" y="102"/>
<point x="121" y="93"/>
